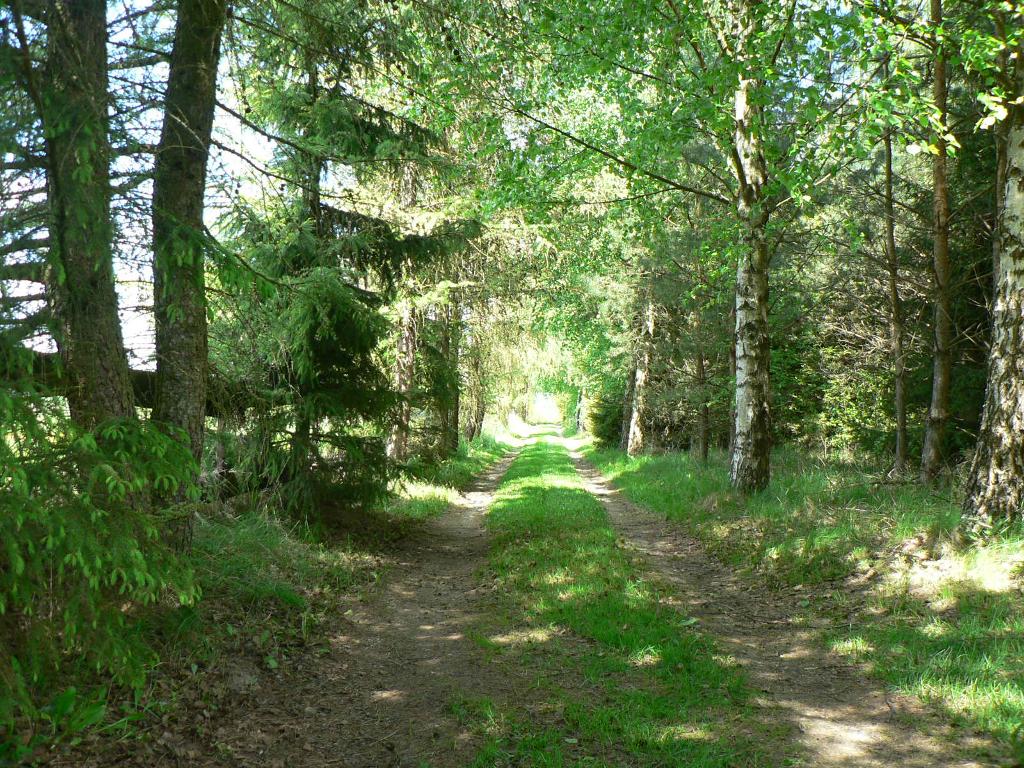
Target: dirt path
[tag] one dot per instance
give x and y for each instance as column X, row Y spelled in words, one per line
column 844, row 719
column 380, row 696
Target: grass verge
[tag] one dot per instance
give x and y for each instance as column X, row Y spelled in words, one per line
column 943, row 623
column 617, row 675
column 430, row 488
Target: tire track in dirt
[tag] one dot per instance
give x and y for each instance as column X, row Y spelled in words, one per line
column 843, row 718
column 380, row 696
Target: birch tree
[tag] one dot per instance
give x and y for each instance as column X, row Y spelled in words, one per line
column 995, row 485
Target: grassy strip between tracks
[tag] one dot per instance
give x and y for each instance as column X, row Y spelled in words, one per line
column 615, row 674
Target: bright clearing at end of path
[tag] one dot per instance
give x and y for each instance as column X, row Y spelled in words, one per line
column 545, row 409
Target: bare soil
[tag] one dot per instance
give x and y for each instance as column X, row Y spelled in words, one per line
column 842, row 716
column 380, row 697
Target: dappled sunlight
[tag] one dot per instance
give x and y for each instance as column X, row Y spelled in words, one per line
column 577, row 592
column 851, row 646
column 995, row 569
column 842, row 720
column 523, row 636
column 414, row 489
column 814, row 523
column 682, row 733
column 393, row 695
column 647, row 657
column 959, row 647
column 658, row 683
column 558, row 577
column 941, row 623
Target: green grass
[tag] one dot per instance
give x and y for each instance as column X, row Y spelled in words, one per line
column 467, row 462
column 430, row 488
column 267, row 585
column 948, row 630
column 815, row 522
column 617, row 675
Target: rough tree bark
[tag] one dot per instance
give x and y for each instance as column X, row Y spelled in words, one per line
column 74, row 116
column 638, row 416
column 995, row 485
column 179, row 187
column 405, row 370
column 895, row 315
column 1000, row 138
column 752, row 442
column 942, row 355
column 1000, row 191
column 475, row 421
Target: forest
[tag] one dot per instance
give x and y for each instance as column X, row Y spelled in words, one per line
column 492, row 383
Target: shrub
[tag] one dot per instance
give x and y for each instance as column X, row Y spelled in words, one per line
column 81, row 551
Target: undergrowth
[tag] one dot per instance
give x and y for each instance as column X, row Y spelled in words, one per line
column 942, row 621
column 467, row 462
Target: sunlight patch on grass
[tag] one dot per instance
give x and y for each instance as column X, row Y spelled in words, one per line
column 646, row 657
column 429, row 489
column 523, row 636
column 683, row 732
column 557, row 577
column 856, row 647
column 631, row 682
column 944, row 623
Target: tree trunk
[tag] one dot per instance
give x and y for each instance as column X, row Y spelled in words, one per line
column 449, row 415
column 454, row 348
column 896, row 316
column 301, row 445
column 752, row 443
column 703, row 411
column 405, row 370
column 938, row 410
column 405, row 355
column 731, row 444
column 478, row 416
column 638, row 413
column 179, row 188
column 627, row 409
column 995, row 485
column 1000, row 140
column 78, row 175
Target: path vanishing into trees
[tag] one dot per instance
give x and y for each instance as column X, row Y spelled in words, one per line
column 437, row 666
